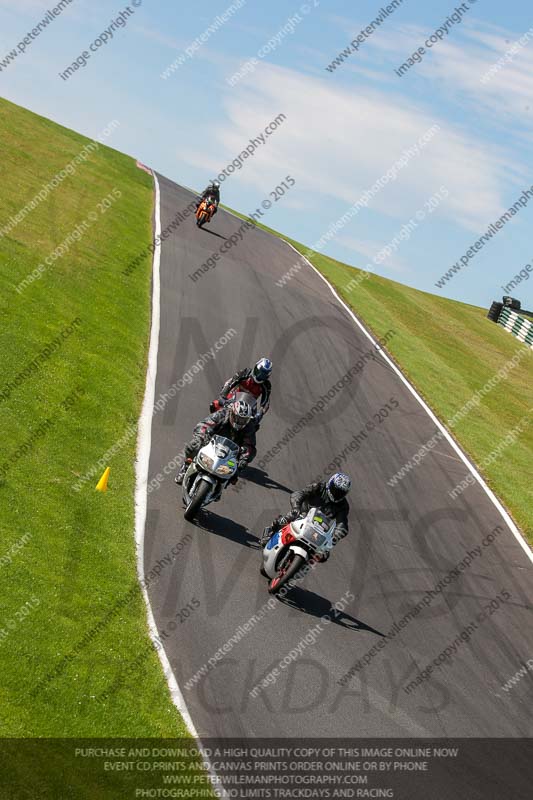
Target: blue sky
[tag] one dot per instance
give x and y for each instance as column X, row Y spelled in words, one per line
column 343, row 129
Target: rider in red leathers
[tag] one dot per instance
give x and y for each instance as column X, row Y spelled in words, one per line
column 254, row 381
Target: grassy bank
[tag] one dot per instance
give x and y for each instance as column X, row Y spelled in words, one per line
column 74, row 339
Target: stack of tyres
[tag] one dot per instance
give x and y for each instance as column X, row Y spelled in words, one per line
column 495, row 311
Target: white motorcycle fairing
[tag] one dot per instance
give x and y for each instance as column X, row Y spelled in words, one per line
column 306, row 536
column 216, row 463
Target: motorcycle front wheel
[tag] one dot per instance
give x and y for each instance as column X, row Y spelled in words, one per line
column 197, row 500
column 286, row 573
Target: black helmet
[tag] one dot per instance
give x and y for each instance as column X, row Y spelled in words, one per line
column 216, row 184
column 262, row 370
column 240, row 414
column 338, row 486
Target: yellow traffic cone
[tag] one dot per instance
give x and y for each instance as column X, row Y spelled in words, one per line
column 101, row 486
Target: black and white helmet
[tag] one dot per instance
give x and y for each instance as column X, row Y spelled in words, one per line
column 338, row 486
column 262, row 370
column 240, row 414
column 216, row 184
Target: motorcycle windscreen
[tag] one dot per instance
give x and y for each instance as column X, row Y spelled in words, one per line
column 314, row 537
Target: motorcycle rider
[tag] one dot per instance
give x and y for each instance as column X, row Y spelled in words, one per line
column 329, row 497
column 255, row 381
column 235, row 422
column 213, row 190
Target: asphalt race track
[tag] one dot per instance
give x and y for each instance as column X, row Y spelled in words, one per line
column 403, row 540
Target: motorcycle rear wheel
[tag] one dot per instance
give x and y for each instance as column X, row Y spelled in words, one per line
column 281, row 579
column 197, row 500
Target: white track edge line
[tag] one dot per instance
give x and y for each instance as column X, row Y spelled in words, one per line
column 144, row 442
column 522, row 542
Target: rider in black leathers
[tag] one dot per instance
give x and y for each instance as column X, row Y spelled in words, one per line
column 329, row 497
column 234, row 422
column 213, row 190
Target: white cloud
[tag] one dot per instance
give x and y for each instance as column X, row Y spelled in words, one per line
column 459, row 62
column 337, row 143
column 369, row 249
column 157, row 36
column 509, row 91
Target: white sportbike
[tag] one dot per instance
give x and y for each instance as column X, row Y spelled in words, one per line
column 215, row 464
column 296, row 543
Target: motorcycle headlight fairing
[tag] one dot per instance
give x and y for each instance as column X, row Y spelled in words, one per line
column 206, row 461
column 224, row 470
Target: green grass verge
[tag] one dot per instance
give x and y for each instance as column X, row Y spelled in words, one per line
column 79, row 559
column 449, row 350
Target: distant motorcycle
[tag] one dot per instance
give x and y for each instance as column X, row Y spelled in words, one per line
column 295, row 544
column 205, row 211
column 208, row 474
